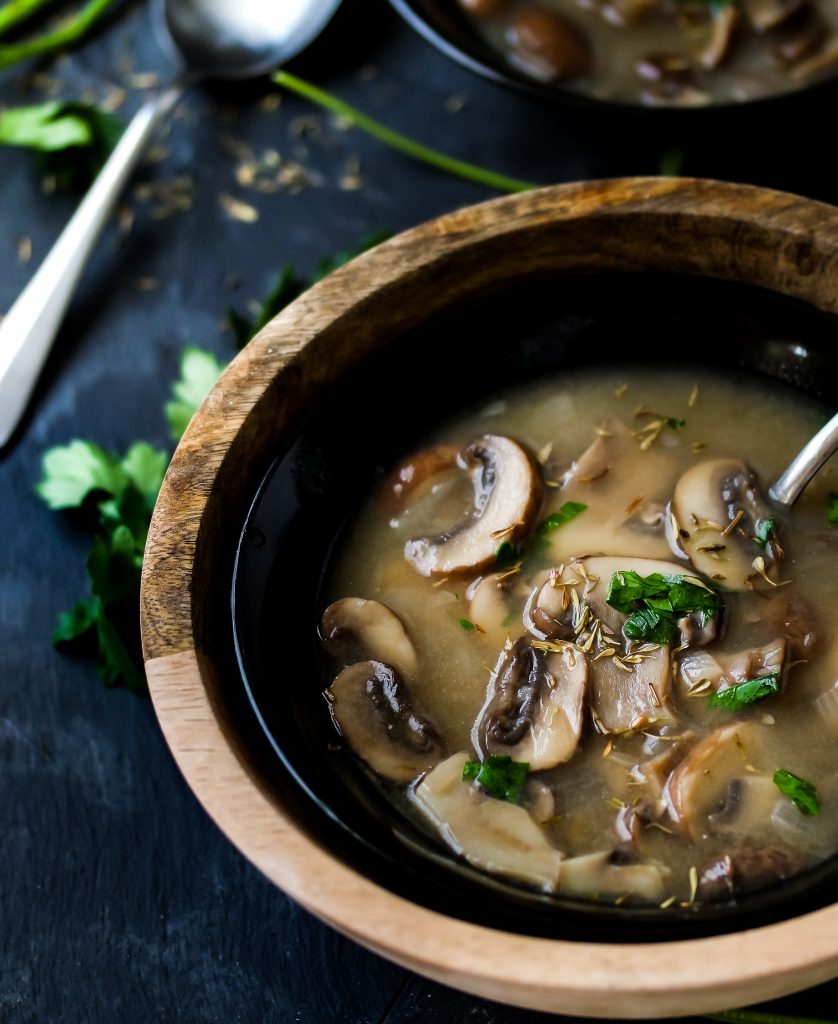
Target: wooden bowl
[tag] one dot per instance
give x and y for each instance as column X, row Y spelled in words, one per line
column 744, row 236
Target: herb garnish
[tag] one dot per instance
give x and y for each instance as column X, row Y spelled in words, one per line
column 570, row 510
column 734, row 698
column 654, row 602
column 763, row 530
column 506, row 555
column 832, row 507
column 802, row 794
column 72, row 140
column 467, row 625
column 116, row 496
column 499, row 776
column 64, row 35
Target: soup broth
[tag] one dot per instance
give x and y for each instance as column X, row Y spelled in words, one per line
column 499, row 696
column 666, row 52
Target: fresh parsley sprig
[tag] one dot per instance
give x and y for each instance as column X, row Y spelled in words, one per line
column 802, row 794
column 500, row 776
column 655, row 602
column 734, row 698
column 64, row 35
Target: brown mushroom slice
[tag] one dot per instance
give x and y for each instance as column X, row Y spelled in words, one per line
column 491, row 834
column 488, row 606
column 548, row 45
column 703, row 673
column 723, row 29
column 749, row 803
column 745, row 870
column 534, row 705
column 606, row 874
column 820, row 65
column 355, row 629
column 507, row 499
column 717, row 506
column 373, row 709
column 699, row 784
column 413, row 475
column 767, row 14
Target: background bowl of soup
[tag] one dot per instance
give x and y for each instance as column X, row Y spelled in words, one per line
column 661, row 54
column 654, row 276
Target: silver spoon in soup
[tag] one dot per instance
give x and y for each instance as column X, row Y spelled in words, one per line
column 220, row 39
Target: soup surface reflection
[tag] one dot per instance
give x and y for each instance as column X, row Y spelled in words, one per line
column 575, row 641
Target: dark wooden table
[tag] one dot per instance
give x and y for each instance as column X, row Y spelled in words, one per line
column 119, row 900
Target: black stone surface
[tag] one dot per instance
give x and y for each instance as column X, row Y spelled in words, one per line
column 119, row 900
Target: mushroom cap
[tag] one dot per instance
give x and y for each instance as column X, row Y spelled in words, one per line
column 723, row 670
column 507, row 499
column 413, row 475
column 355, row 629
column 491, row 834
column 488, row 607
column 534, row 708
column 699, row 784
column 604, row 874
column 707, row 500
column 374, row 711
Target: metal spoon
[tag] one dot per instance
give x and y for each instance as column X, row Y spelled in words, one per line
column 803, row 467
column 227, row 39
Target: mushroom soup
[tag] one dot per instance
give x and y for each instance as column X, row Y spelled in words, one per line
column 571, row 637
column 682, row 53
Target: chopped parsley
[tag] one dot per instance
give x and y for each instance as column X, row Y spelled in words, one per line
column 506, row 555
column 802, row 794
column 467, row 625
column 763, row 531
column 654, row 603
column 740, row 696
column 832, row 507
column 675, row 422
column 570, row 510
column 499, row 776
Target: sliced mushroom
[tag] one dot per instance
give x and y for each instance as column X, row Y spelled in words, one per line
column 549, row 45
column 723, row 30
column 819, row 65
column 488, row 606
column 655, row 770
column 374, row 711
column 703, row 673
column 748, row 805
column 625, row 695
column 768, row 14
column 534, row 705
column 717, row 506
column 627, row 12
column 540, row 800
column 606, row 874
column 744, row 870
column 416, row 473
column 699, row 784
column 355, row 629
column 507, row 498
column 493, row 835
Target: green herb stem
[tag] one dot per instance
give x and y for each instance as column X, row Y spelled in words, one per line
column 59, row 38
column 16, row 11
column 396, row 140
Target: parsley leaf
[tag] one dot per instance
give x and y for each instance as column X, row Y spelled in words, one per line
column 802, row 794
column 73, row 472
column 72, row 140
column 467, row 625
column 675, row 422
column 506, row 555
column 655, row 602
column 570, row 510
column 199, row 371
column 499, row 776
column 832, row 507
column 740, row 696
column 763, row 530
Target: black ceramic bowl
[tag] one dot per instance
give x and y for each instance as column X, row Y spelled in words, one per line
column 452, row 32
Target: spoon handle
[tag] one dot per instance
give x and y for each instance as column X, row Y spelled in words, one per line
column 804, row 466
column 28, row 330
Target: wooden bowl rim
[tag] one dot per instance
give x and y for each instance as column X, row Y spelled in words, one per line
column 595, row 979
